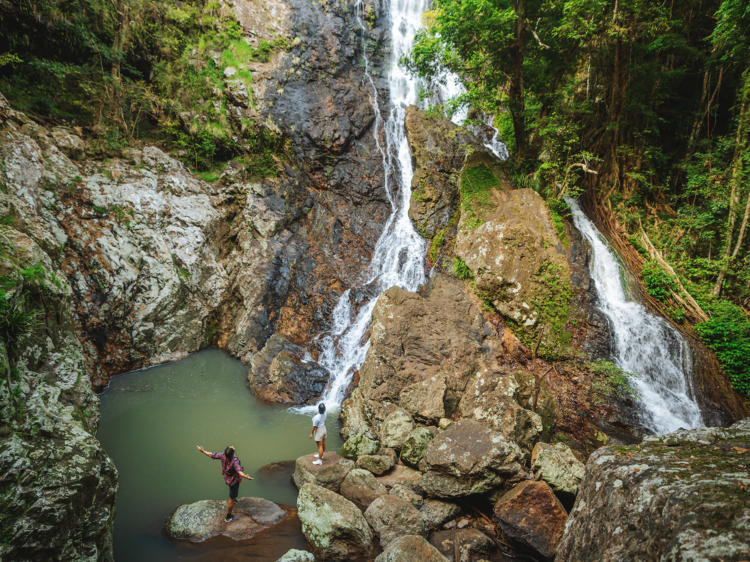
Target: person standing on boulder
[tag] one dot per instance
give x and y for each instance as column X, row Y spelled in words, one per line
column 319, row 432
column 233, row 475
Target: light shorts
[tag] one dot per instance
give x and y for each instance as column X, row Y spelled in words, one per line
column 320, row 433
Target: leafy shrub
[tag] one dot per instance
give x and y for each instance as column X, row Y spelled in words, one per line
column 727, row 333
column 461, row 270
column 659, row 283
column 612, row 380
column 18, row 322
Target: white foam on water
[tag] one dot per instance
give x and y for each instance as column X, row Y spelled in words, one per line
column 644, row 344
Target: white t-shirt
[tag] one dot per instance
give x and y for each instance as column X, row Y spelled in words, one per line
column 319, row 420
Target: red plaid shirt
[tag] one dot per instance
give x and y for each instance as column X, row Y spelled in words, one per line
column 225, row 465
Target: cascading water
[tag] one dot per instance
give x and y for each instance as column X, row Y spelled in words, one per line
column 644, row 344
column 399, row 252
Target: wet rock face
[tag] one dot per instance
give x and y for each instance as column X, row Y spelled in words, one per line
column 391, row 517
column 333, row 526
column 202, row 520
column 680, row 496
column 412, row 548
column 468, row 458
column 531, row 514
column 439, row 148
column 278, row 373
column 514, row 278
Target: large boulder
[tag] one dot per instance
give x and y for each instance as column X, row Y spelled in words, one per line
column 438, row 147
column 361, row 487
column 437, row 512
column 401, row 475
column 489, row 399
column 407, row 495
column 518, row 260
column 333, row 526
column 391, row 517
column 329, row 475
column 297, row 556
column 531, row 514
column 358, row 445
column 411, row 548
column 415, row 446
column 680, row 496
column 557, row 466
column 425, row 400
column 279, row 373
column 396, row 428
column 204, row 519
column 468, row 458
column 470, row 543
column 377, row 464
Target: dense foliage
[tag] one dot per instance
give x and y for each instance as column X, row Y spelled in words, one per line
column 641, row 105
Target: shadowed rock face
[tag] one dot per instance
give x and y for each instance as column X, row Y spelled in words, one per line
column 202, row 520
column 685, row 493
column 411, row 548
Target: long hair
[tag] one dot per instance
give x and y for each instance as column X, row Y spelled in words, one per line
column 229, row 453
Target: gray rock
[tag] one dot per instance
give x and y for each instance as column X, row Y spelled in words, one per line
column 391, row 517
column 358, row 445
column 361, row 487
column 201, row 520
column 330, row 474
column 377, row 464
column 680, row 496
column 424, row 400
column 297, row 556
column 333, row 526
column 412, row 548
column 401, row 475
column 396, row 428
column 407, row 495
column 557, row 466
column 437, row 512
column 237, row 92
column 472, row 544
column 468, row 458
column 415, row 446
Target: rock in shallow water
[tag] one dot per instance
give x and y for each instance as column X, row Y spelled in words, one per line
column 531, row 514
column 680, row 496
column 334, row 526
column 329, row 475
column 391, row 517
column 204, row 519
column 411, row 549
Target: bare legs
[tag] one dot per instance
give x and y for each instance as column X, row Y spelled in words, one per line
column 321, row 448
column 230, row 507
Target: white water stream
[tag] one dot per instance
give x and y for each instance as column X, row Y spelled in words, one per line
column 644, row 344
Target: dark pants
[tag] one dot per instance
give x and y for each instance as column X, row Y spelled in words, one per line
column 234, row 489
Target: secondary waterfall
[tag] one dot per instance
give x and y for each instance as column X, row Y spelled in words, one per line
column 644, row 344
column 399, row 252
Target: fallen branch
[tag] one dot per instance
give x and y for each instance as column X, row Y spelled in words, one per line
column 584, row 167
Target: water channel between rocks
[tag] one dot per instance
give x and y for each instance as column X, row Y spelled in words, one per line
column 152, row 421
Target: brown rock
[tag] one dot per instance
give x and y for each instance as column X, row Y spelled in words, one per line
column 361, row 487
column 471, row 544
column 330, row 474
column 411, row 548
column 531, row 513
column 424, row 400
column 377, row 464
column 403, row 476
column 391, row 517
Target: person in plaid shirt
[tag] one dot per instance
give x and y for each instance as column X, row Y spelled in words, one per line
column 233, row 475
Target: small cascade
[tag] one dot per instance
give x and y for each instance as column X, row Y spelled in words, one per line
column 644, row 344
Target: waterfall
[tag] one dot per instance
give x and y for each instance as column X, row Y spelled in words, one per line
column 643, row 343
column 399, row 252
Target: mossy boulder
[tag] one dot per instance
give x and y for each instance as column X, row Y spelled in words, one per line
column 415, row 446
column 391, row 517
column 396, row 428
column 438, row 512
column 333, row 526
column 558, row 467
column 358, row 445
column 680, row 496
column 377, row 464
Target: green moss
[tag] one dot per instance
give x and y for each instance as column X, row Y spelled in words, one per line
column 437, row 241
column 557, row 210
column 461, row 270
column 477, row 183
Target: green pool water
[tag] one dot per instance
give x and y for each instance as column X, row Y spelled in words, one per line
column 152, row 421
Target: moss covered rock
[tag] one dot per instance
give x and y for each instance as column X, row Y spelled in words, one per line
column 396, row 428
column 557, row 466
column 680, row 496
column 391, row 517
column 415, row 446
column 358, row 445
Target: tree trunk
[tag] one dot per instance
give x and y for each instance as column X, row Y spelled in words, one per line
column 517, row 102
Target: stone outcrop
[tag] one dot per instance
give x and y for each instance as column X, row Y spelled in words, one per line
column 680, row 496
column 531, row 514
column 361, row 487
column 438, row 512
column 391, row 517
column 330, row 474
column 558, row 467
column 439, row 148
column 415, row 446
column 279, row 373
column 58, row 484
column 333, row 526
column 425, row 400
column 468, row 458
column 202, row 520
column 413, row 548
column 396, row 428
column 516, row 282
column 358, row 445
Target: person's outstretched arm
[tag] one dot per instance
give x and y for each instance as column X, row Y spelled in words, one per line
column 202, row 450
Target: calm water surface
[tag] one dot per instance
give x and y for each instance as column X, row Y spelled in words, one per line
column 152, row 421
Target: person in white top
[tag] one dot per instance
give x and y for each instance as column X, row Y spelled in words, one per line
column 319, row 432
